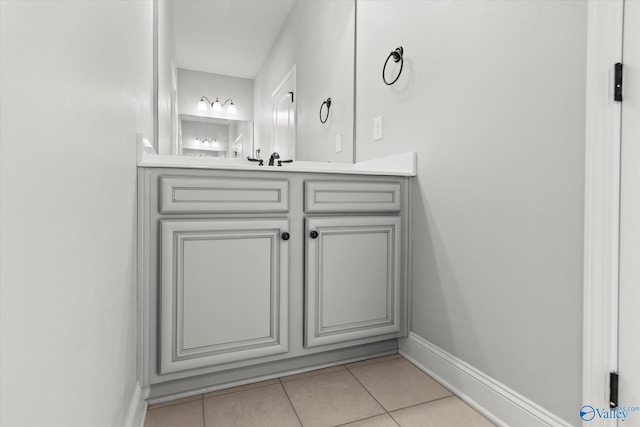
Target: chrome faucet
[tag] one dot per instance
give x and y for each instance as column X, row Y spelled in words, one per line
column 274, row 156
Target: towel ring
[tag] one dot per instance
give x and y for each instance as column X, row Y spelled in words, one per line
column 328, row 104
column 397, row 57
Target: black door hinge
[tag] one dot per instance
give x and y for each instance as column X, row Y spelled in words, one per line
column 613, row 390
column 617, row 84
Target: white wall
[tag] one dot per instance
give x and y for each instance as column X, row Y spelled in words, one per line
column 192, row 85
column 77, row 84
column 492, row 98
column 318, row 39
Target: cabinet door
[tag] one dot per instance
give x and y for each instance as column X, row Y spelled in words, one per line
column 224, row 291
column 352, row 278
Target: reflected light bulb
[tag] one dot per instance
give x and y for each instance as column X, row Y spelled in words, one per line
column 217, row 106
column 202, row 106
column 231, row 109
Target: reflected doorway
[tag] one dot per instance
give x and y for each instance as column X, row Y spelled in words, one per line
column 284, row 116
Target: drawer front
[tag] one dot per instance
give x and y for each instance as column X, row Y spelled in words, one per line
column 211, row 195
column 332, row 196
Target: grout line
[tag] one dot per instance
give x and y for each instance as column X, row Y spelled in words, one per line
column 169, row 403
column 226, row 391
column 367, row 418
column 418, row 404
column 290, row 402
column 370, row 394
column 423, row 403
column 394, row 420
column 310, row 374
column 204, row 421
column 371, row 361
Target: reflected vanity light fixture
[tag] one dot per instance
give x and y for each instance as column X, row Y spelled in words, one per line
column 216, row 105
column 206, row 141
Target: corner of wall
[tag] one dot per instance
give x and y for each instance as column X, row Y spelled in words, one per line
column 137, row 411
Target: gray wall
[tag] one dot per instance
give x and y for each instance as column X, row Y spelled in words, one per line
column 77, row 85
column 492, row 98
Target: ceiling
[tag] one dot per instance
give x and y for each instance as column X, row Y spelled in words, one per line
column 229, row 37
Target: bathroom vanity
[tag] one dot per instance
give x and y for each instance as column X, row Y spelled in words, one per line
column 249, row 272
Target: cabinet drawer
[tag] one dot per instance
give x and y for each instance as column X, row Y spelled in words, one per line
column 208, row 194
column 332, row 196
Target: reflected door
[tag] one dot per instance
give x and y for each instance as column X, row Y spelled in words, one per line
column 284, row 117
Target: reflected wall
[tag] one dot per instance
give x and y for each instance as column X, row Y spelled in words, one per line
column 318, row 38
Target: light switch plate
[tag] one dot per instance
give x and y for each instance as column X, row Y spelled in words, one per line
column 377, row 128
column 339, row 143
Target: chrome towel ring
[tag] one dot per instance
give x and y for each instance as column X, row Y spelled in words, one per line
column 328, row 104
column 397, row 57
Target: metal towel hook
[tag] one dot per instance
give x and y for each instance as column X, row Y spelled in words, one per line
column 397, row 57
column 328, row 104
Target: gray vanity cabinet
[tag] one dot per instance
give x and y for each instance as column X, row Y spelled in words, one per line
column 234, row 287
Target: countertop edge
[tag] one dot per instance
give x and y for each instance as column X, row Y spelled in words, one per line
column 397, row 165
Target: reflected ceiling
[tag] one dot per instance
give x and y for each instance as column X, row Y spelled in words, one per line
column 229, row 37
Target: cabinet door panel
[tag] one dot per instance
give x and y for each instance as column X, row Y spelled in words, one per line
column 224, row 293
column 352, row 278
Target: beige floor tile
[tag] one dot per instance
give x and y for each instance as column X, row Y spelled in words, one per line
column 331, row 399
column 187, row 414
column 312, row 373
column 266, row 406
column 175, row 402
column 447, row 412
column 379, row 421
column 241, row 388
column 397, row 384
column 371, row 361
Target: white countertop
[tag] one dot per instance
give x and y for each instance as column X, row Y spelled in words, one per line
column 398, row 165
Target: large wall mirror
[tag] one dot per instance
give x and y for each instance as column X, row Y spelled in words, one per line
column 276, row 76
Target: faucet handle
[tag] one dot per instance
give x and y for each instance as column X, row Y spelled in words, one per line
column 255, row 160
column 280, row 162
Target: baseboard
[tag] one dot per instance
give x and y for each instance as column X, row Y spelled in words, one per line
column 137, row 408
column 495, row 401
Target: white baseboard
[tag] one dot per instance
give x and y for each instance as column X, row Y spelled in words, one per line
column 137, row 408
column 495, row 401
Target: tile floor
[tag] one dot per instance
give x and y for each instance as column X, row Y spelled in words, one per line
column 387, row 391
